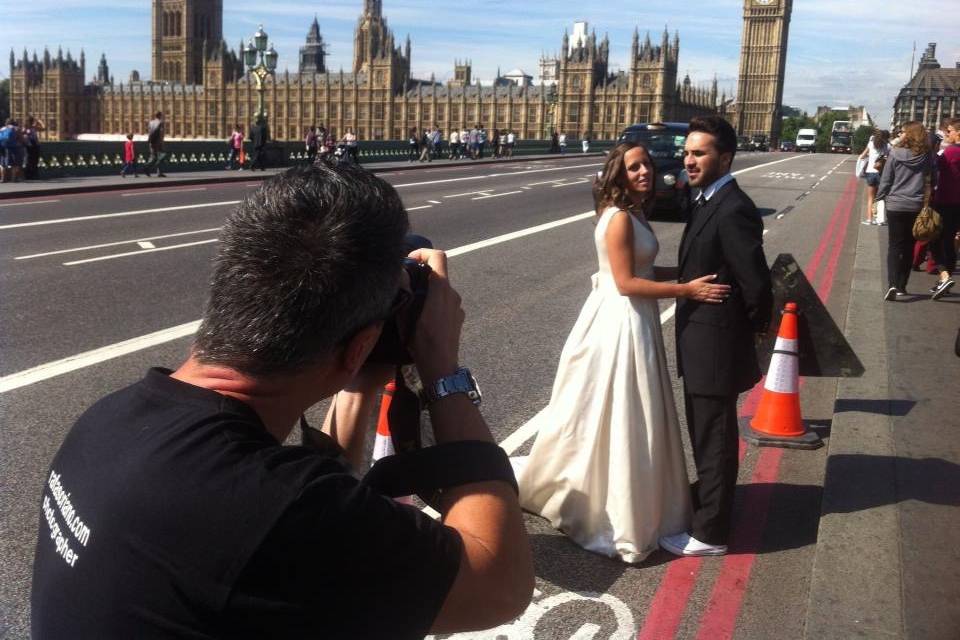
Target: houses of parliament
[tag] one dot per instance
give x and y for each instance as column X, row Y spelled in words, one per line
column 202, row 88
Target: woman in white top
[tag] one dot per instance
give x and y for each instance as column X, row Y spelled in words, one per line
column 876, row 153
column 608, row 467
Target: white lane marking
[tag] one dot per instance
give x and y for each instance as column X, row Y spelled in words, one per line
column 760, row 166
column 459, row 251
column 526, row 188
column 426, row 206
column 537, row 184
column 570, row 184
column 469, row 193
column 116, row 244
column 434, row 201
column 139, row 253
column 493, row 175
column 24, row 204
column 88, row 358
column 496, row 195
column 150, row 193
column 146, row 245
column 766, row 231
column 101, row 216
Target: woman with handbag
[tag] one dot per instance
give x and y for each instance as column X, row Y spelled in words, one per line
column 904, row 188
column 947, row 204
column 875, row 154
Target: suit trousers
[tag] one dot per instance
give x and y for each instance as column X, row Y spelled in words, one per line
column 714, row 435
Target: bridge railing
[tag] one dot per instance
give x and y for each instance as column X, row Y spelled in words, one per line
column 93, row 158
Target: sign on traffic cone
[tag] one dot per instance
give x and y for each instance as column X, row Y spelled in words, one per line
column 383, row 445
column 777, row 421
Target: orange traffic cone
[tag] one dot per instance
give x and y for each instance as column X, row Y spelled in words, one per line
column 383, row 445
column 777, row 421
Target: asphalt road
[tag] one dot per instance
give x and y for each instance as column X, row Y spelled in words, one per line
column 97, row 275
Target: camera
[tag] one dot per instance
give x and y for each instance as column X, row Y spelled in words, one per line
column 398, row 328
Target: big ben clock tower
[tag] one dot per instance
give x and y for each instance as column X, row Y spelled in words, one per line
column 763, row 59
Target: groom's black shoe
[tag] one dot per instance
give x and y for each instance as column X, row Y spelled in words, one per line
column 683, row 544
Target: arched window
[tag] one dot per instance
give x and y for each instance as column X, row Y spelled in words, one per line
column 646, row 80
column 177, row 21
column 165, row 24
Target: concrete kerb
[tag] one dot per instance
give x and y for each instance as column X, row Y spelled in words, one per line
column 856, row 582
column 90, row 184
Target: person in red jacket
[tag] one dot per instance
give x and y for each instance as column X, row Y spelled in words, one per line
column 947, row 202
column 129, row 158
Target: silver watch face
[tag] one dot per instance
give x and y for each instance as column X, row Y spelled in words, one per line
column 461, row 381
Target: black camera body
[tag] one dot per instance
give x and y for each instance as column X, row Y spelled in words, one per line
column 391, row 348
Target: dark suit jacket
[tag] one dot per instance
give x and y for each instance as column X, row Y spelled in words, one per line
column 716, row 354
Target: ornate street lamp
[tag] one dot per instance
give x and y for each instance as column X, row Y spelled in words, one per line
column 262, row 69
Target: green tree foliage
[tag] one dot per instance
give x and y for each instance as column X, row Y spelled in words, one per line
column 793, row 124
column 824, row 127
column 861, row 137
column 4, row 100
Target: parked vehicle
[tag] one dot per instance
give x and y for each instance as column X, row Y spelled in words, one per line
column 788, row 145
column 807, row 140
column 665, row 142
column 759, row 143
column 743, row 143
column 840, row 137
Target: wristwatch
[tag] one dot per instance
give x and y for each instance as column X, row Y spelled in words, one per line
column 460, row 381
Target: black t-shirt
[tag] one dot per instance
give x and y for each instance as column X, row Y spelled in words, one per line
column 169, row 511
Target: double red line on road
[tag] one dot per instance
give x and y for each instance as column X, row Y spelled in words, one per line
column 726, row 598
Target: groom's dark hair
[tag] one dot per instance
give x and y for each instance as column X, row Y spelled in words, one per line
column 721, row 130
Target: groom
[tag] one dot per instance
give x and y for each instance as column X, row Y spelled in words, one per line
column 716, row 356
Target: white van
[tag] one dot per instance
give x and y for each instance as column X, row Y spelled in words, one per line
column 807, row 140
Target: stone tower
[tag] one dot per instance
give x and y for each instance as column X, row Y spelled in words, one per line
column 763, row 59
column 313, row 54
column 370, row 37
column 179, row 29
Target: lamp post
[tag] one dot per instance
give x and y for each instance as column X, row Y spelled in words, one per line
column 261, row 62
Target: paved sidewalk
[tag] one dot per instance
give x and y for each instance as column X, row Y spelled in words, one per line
column 67, row 185
column 887, row 562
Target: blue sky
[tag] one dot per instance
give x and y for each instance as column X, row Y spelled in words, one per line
column 840, row 51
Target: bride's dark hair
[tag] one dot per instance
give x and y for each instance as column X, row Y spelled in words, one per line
column 609, row 189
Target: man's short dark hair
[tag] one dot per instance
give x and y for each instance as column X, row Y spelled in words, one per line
column 305, row 261
column 158, row 114
column 720, row 129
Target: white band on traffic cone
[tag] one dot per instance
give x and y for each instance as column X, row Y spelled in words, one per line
column 783, row 376
column 786, row 344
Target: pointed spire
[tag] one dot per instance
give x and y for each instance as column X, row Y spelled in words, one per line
column 13, row 60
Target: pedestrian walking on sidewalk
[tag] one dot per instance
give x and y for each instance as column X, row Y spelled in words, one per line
column 236, row 146
column 876, row 152
column 259, row 136
column 947, row 203
column 310, row 144
column 31, row 142
column 129, row 158
column 716, row 352
column 562, row 141
column 155, row 135
column 904, row 182
column 11, row 152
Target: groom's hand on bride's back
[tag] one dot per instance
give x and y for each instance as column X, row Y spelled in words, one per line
column 703, row 290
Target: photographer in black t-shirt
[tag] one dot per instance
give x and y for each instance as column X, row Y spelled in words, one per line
column 172, row 509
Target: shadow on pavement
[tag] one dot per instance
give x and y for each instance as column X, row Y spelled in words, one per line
column 930, row 480
column 562, row 562
column 897, row 408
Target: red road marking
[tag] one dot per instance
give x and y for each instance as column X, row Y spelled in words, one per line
column 726, row 598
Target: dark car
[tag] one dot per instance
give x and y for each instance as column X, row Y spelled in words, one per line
column 759, row 143
column 664, row 141
column 743, row 144
column 788, row 145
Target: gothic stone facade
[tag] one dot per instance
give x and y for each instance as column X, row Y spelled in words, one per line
column 203, row 90
column 763, row 59
column 931, row 96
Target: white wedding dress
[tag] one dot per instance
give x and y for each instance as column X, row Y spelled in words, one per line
column 607, row 467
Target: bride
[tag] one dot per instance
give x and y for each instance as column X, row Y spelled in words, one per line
column 607, row 467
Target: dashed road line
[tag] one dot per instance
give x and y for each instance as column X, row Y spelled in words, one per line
column 116, row 244
column 426, row 206
column 23, row 204
column 497, row 195
column 139, row 253
column 119, row 214
column 151, row 192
